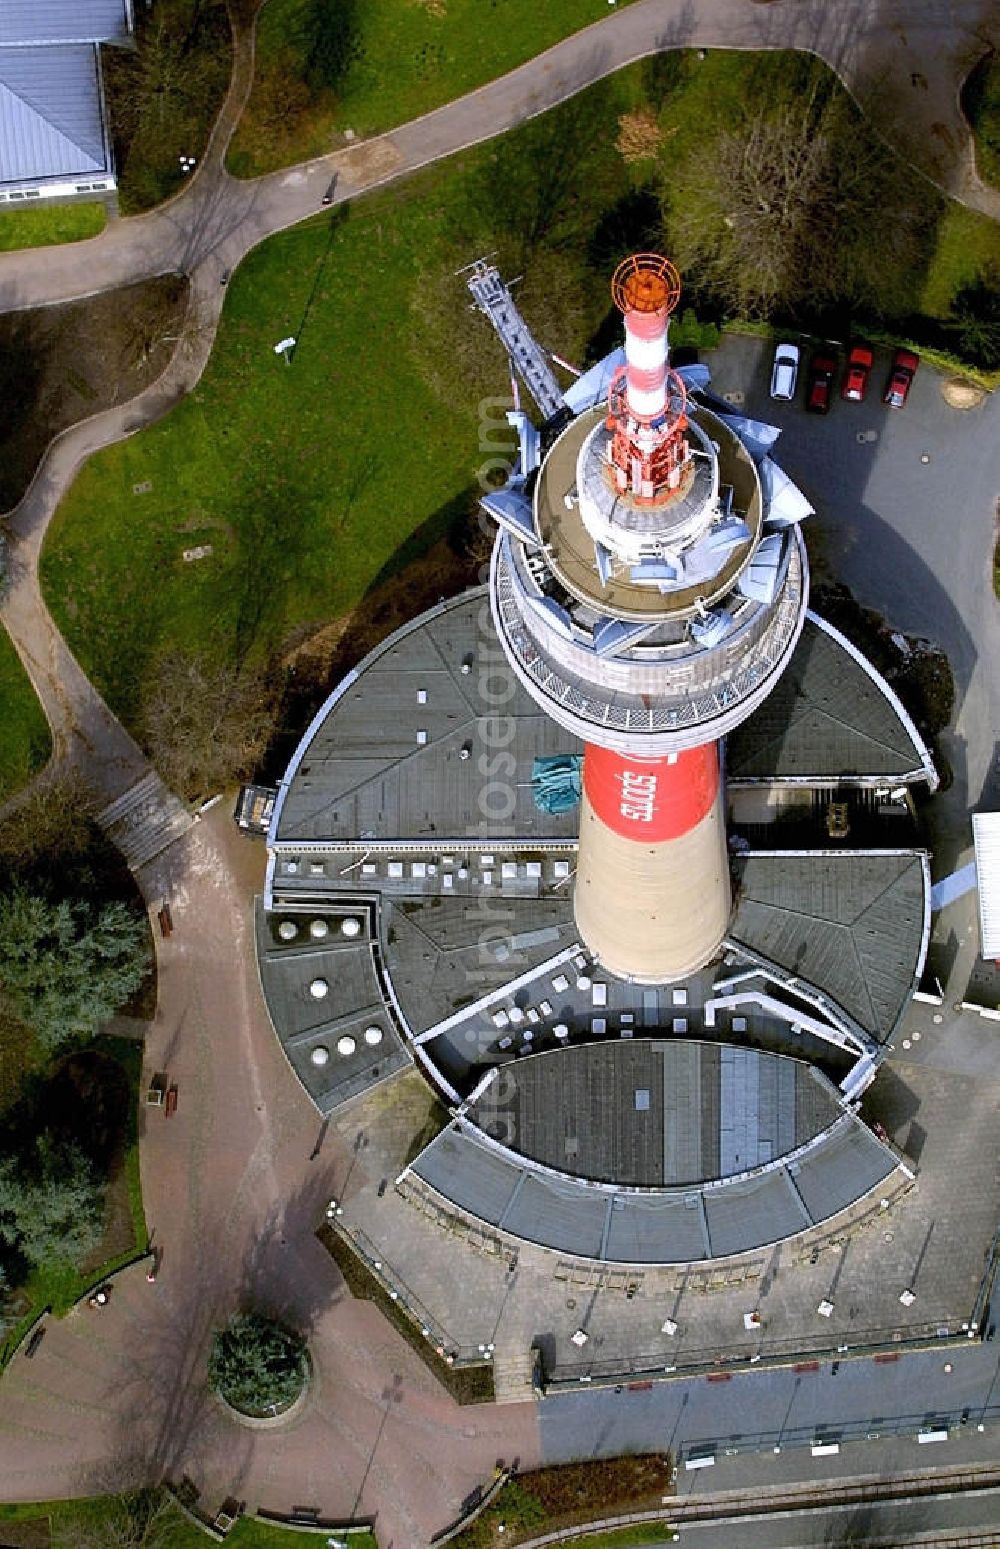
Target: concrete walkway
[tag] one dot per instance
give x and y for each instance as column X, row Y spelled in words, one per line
column 904, row 60
column 231, row 1191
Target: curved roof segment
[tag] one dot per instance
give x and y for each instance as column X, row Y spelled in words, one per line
column 383, row 758
column 656, row 1226
column 652, row 1113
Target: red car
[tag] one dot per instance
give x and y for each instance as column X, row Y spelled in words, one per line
column 822, row 370
column 904, row 369
column 859, row 365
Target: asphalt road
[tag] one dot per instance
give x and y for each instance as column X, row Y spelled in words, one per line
column 892, row 1522
column 743, row 1419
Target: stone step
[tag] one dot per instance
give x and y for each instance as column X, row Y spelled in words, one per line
column 512, row 1376
column 148, row 785
column 144, row 820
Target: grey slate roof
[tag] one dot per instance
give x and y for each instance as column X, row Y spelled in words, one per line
column 51, row 122
column 363, row 773
column 25, row 22
column 706, row 1110
column 827, row 716
column 851, row 924
column 352, row 1003
column 659, row 1226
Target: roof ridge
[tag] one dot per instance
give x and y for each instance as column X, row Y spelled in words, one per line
column 50, row 129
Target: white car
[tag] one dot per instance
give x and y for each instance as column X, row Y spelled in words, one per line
column 786, row 371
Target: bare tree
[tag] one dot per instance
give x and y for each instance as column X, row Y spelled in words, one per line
column 133, row 1519
column 206, row 724
column 794, row 206
column 49, row 818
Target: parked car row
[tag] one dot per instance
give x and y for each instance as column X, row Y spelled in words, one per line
column 823, row 372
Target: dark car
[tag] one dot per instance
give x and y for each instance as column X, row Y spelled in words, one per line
column 822, row 370
column 859, row 365
column 904, row 369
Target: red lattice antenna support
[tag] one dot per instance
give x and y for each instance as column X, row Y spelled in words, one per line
column 647, row 400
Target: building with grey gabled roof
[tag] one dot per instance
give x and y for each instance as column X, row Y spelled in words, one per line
column 54, row 139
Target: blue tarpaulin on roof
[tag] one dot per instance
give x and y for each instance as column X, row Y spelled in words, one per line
column 555, row 782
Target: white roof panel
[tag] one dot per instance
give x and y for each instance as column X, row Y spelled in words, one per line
column 986, row 836
column 51, row 124
column 26, row 22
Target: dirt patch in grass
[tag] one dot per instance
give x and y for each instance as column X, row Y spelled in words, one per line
column 610, row 1484
column 62, row 364
column 35, row 1533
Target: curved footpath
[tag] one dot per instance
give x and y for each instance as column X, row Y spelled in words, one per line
column 232, row 1193
column 904, row 60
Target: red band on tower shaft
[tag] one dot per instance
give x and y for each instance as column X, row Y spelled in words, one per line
column 651, row 799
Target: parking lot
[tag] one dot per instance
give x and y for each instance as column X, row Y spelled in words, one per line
column 906, row 503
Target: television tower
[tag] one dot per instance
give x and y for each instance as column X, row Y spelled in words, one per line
column 648, row 593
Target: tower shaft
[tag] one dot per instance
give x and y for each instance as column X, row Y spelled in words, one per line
column 652, row 895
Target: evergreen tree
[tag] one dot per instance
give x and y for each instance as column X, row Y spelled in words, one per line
column 256, row 1363
column 66, row 967
column 51, row 1203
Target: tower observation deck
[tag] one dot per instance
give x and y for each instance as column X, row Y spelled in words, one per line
column 649, row 593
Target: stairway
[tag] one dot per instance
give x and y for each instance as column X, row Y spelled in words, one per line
column 512, row 1376
column 144, row 820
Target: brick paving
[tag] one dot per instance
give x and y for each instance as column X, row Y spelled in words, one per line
column 232, row 1200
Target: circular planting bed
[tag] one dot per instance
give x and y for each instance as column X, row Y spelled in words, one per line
column 259, row 1369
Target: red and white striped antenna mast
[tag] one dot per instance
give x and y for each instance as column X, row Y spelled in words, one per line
column 647, row 403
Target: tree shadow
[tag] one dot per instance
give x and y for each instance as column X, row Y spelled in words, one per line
column 166, row 1412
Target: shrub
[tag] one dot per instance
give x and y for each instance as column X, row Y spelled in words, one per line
column 256, row 1364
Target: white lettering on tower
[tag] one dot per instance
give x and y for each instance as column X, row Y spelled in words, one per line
column 638, row 801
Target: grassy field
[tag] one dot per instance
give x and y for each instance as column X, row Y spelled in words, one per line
column 384, row 62
column 52, row 223
column 625, row 1537
column 981, row 105
column 25, row 743
column 315, row 481
column 70, row 1521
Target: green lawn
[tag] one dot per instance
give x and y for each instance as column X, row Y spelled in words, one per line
column 967, row 246
column 72, row 1519
column 25, row 743
column 20, row 227
column 308, row 479
column 314, row 481
column 625, row 1537
column 981, row 105
column 380, row 63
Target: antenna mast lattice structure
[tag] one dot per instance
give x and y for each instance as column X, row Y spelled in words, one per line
column 648, row 585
